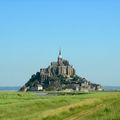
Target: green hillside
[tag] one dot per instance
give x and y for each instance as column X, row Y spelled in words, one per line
column 29, row 106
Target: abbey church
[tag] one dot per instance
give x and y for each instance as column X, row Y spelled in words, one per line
column 61, row 67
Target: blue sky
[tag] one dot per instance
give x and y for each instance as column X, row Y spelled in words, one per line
column 32, row 31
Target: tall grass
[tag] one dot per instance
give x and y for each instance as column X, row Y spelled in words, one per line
column 29, row 106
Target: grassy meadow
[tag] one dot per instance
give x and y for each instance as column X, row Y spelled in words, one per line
column 29, row 106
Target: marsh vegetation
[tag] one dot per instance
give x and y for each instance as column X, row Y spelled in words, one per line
column 29, row 106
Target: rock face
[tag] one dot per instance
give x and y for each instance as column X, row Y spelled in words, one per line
column 59, row 76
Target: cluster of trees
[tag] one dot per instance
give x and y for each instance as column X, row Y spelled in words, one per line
column 66, row 62
column 34, row 80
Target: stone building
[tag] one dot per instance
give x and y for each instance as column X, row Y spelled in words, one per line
column 61, row 67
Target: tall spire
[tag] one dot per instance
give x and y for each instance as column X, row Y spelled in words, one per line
column 60, row 53
column 60, row 57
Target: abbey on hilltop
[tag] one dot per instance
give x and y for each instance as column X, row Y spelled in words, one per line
column 59, row 76
column 61, row 67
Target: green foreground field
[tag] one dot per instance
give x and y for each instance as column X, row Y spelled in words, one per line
column 29, row 106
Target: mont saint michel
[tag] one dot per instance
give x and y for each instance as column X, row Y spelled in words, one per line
column 59, row 76
column 59, row 59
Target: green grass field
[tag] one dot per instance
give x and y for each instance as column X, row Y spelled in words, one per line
column 29, row 106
